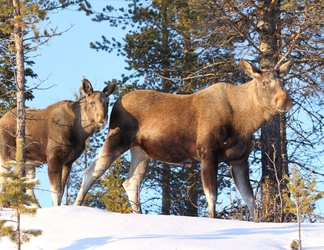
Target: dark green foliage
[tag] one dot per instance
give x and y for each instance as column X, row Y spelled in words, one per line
column 7, row 79
column 112, row 192
column 145, row 50
column 108, row 192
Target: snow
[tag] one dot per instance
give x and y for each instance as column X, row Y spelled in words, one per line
column 71, row 227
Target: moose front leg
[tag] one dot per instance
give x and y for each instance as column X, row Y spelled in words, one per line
column 66, row 170
column 31, row 174
column 135, row 177
column 55, row 177
column 3, row 170
column 209, row 167
column 241, row 176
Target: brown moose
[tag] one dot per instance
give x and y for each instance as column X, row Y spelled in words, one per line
column 56, row 135
column 210, row 126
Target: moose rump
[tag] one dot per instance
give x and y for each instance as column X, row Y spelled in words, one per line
column 211, row 126
column 56, row 135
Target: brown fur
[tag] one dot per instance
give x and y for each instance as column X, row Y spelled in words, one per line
column 56, row 135
column 210, row 126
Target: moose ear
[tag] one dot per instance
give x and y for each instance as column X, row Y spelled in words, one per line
column 87, row 87
column 109, row 88
column 250, row 69
column 284, row 69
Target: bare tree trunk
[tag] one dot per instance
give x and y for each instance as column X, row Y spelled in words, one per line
column 166, row 86
column 166, row 190
column 273, row 135
column 192, row 193
column 18, row 242
column 20, row 81
column 191, row 168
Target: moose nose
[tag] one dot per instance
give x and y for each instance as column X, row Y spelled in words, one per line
column 288, row 104
column 283, row 102
column 284, row 106
column 102, row 121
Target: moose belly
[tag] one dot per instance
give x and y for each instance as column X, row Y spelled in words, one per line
column 166, row 151
column 36, row 156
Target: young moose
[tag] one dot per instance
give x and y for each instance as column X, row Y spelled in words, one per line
column 210, row 126
column 56, row 135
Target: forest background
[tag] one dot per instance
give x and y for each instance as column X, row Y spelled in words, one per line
column 61, row 64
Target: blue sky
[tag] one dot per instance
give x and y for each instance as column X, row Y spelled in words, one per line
column 63, row 62
column 67, row 58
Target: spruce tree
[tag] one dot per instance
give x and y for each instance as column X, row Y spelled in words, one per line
column 20, row 202
column 303, row 196
column 113, row 195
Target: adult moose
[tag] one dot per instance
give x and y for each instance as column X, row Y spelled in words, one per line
column 56, row 135
column 212, row 125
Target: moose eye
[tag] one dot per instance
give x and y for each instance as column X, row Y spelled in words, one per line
column 265, row 84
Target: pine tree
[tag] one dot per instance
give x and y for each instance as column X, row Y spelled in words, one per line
column 20, row 202
column 114, row 197
column 303, row 196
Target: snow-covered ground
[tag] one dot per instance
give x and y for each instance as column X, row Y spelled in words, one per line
column 70, row 227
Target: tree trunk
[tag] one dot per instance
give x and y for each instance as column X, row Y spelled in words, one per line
column 166, row 87
column 191, row 201
column 192, row 193
column 18, row 236
column 273, row 135
column 20, row 81
column 166, row 190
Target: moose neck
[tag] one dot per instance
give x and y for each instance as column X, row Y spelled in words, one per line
column 249, row 115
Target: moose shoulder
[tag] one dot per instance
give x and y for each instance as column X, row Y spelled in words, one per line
column 56, row 135
column 210, row 126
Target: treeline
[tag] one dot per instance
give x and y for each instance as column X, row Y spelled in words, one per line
column 182, row 47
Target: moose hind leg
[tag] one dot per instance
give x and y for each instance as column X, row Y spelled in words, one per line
column 110, row 151
column 240, row 174
column 135, row 177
